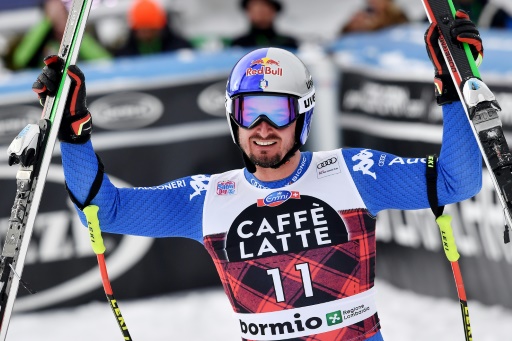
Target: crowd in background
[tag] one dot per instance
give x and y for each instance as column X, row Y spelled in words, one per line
column 150, row 29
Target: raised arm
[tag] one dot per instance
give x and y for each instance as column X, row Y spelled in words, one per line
column 172, row 209
column 387, row 181
column 400, row 183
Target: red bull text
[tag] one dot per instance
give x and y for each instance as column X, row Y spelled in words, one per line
column 267, row 67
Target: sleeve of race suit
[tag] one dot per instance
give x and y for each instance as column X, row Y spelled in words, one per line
column 386, row 181
column 173, row 209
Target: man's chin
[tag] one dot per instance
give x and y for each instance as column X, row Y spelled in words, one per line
column 265, row 162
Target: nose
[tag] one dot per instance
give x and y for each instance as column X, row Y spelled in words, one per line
column 264, row 128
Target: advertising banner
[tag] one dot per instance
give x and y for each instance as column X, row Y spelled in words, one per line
column 161, row 118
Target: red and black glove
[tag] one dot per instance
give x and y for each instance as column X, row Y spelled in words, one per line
column 462, row 31
column 48, row 81
column 465, row 31
column 76, row 126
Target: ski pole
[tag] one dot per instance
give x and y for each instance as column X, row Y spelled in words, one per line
column 91, row 213
column 449, row 246
column 450, row 250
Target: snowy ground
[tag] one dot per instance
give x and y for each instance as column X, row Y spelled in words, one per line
column 206, row 315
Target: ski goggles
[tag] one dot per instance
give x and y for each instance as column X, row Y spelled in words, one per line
column 248, row 110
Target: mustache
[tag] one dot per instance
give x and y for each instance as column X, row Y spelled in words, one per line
column 268, row 137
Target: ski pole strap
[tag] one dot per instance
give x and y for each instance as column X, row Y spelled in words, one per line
column 95, row 187
column 93, row 224
column 431, row 175
column 442, row 220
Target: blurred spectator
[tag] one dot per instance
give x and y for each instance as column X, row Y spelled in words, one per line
column 149, row 31
column 44, row 39
column 261, row 15
column 485, row 14
column 377, row 15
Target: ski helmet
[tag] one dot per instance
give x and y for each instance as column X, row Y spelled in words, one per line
column 270, row 72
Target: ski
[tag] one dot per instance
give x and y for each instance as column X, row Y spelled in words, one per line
column 479, row 104
column 32, row 150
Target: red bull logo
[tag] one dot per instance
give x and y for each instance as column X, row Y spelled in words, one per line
column 265, row 61
column 268, row 67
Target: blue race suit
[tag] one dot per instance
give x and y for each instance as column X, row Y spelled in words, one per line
column 175, row 209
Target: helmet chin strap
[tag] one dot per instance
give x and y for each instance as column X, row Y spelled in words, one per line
column 251, row 167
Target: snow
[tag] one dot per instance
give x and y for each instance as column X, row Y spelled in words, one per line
column 206, row 315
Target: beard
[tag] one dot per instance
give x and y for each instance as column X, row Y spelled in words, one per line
column 265, row 161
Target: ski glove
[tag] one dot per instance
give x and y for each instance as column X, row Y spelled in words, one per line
column 48, row 81
column 76, row 126
column 462, row 31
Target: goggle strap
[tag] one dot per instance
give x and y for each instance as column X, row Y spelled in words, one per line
column 228, row 103
column 307, row 102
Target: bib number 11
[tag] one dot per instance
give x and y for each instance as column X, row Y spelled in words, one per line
column 305, row 274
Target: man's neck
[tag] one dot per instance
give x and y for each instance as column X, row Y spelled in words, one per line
column 265, row 31
column 285, row 170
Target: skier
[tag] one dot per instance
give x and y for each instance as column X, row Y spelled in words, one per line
column 292, row 235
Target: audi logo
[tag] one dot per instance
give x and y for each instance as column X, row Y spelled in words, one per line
column 326, row 163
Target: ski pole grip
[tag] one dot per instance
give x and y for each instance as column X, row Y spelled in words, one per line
column 93, row 223
column 450, row 249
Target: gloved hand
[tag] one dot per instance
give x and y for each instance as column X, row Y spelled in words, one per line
column 76, row 126
column 462, row 31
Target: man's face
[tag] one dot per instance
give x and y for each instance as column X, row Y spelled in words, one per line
column 58, row 15
column 265, row 145
column 260, row 13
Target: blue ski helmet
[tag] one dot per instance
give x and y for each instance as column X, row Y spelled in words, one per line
column 272, row 71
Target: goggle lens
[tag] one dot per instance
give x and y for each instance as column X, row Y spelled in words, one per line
column 280, row 111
